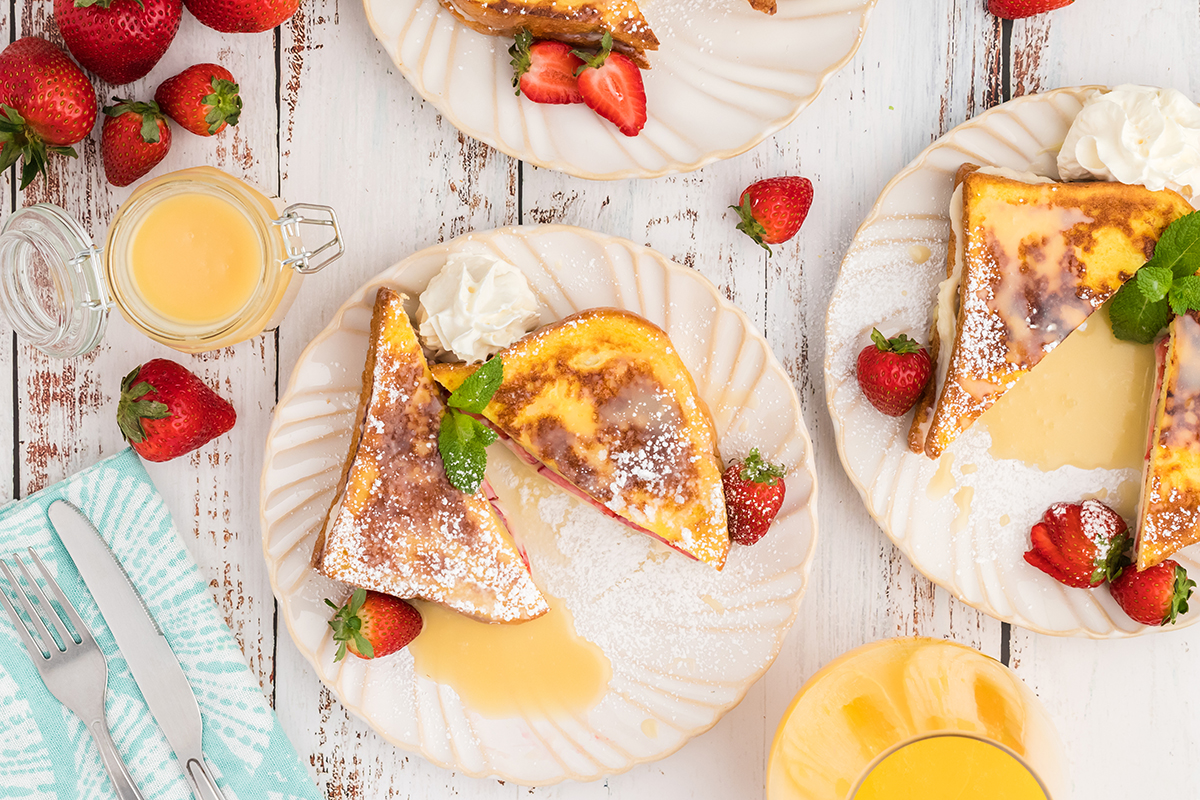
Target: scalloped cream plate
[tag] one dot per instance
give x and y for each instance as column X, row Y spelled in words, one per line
column 723, row 79
column 967, row 535
column 685, row 642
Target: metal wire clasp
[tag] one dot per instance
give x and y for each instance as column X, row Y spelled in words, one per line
column 303, row 260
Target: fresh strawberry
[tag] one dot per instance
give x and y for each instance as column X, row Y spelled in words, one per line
column 134, row 139
column 119, row 40
column 1079, row 544
column 773, row 210
column 1016, row 9
column 202, row 99
column 47, row 104
column 1154, row 596
column 753, row 494
column 242, row 16
column 611, row 85
column 373, row 624
column 545, row 71
column 166, row 411
column 892, row 373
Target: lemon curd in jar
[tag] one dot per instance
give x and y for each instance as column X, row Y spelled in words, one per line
column 195, row 259
column 198, row 259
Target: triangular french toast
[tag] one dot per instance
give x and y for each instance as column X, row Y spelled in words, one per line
column 1169, row 510
column 604, row 403
column 578, row 22
column 397, row 525
column 1032, row 262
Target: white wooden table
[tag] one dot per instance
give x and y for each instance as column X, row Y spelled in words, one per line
column 329, row 120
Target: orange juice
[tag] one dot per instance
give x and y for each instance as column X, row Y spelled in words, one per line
column 196, row 258
column 890, row 694
column 948, row 768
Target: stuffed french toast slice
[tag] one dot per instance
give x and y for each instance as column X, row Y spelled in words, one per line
column 396, row 524
column 577, row 22
column 1169, row 509
column 1030, row 261
column 603, row 404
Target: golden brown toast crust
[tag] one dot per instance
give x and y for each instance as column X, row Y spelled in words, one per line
column 579, row 22
column 923, row 413
column 1170, row 508
column 1038, row 260
column 397, row 525
column 603, row 399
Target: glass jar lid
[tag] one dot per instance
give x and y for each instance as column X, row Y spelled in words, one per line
column 52, row 289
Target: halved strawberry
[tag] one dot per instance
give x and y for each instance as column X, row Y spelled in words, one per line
column 544, row 71
column 611, row 85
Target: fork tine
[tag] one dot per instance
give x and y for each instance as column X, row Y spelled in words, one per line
column 76, row 622
column 35, row 652
column 54, row 622
column 39, row 627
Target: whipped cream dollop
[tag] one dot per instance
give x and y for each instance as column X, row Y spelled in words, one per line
column 1138, row 135
column 475, row 307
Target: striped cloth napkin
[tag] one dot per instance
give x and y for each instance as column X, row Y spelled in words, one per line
column 45, row 751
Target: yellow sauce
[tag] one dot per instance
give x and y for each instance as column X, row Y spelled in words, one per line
column 949, row 768
column 1086, row 404
column 540, row 668
column 195, row 259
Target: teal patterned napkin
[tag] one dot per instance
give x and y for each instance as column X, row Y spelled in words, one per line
column 45, row 752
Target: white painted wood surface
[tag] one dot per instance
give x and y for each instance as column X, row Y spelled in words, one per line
column 328, row 119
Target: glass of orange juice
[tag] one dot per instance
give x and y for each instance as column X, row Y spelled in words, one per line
column 916, row 719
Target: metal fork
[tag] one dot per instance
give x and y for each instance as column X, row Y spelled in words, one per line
column 76, row 673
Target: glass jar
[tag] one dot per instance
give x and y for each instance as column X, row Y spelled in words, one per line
column 51, row 288
column 200, row 260
column 56, row 290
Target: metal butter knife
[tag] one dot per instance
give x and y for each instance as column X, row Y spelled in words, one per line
column 151, row 660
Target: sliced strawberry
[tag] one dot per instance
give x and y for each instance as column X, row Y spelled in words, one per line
column 611, row 85
column 545, row 71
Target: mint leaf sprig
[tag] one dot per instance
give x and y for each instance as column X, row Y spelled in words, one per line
column 1166, row 285
column 463, row 440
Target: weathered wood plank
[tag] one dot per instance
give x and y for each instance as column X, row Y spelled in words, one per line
column 401, row 178
column 1143, row 691
column 67, row 408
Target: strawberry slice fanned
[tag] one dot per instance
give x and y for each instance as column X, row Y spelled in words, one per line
column 544, row 71
column 1078, row 544
column 611, row 85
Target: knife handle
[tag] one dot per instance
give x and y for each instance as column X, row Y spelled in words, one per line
column 118, row 773
column 201, row 781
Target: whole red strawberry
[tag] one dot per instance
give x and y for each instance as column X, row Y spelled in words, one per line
column 134, row 139
column 611, row 85
column 1079, row 544
column 242, row 16
column 166, row 411
column 373, row 624
column 1154, row 596
column 754, row 492
column 119, row 40
column 892, row 373
column 47, row 104
column 1016, row 9
column 544, row 71
column 202, row 99
column 773, row 210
